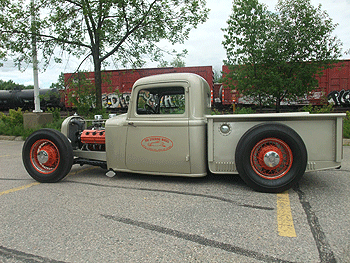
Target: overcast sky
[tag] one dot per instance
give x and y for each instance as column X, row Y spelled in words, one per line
column 204, row 43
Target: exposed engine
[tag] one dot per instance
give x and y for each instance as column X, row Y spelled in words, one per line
column 93, row 139
column 90, row 138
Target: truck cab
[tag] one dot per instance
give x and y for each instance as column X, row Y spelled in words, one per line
column 164, row 130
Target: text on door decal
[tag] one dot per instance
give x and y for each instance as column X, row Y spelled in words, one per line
column 157, row 143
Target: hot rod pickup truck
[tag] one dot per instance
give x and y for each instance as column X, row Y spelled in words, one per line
column 169, row 130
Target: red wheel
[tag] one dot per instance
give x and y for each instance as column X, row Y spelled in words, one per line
column 44, row 156
column 47, row 155
column 271, row 158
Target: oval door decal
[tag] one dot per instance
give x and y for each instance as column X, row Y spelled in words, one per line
column 157, row 143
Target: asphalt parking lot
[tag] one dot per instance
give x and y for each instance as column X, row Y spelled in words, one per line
column 89, row 217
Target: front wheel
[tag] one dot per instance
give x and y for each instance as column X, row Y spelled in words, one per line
column 271, row 157
column 47, row 155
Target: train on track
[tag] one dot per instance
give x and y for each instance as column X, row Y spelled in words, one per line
column 334, row 86
column 24, row 99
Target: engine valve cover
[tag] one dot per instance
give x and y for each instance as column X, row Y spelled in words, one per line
column 93, row 137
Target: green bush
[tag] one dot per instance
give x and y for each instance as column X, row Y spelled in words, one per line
column 244, row 111
column 14, row 118
column 238, row 110
column 215, row 112
column 346, row 126
column 12, row 124
column 326, row 108
column 56, row 113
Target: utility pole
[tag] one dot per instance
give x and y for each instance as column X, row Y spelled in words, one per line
column 37, row 117
column 35, row 62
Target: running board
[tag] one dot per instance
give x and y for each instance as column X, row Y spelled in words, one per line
column 83, row 161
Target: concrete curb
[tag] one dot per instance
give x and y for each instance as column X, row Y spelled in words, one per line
column 346, row 142
column 11, row 138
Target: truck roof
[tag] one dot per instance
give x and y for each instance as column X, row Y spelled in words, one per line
column 188, row 77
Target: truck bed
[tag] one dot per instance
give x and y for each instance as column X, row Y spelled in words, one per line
column 321, row 133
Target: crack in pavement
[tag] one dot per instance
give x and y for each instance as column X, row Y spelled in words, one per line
column 324, row 249
column 24, row 257
column 196, row 239
column 180, row 193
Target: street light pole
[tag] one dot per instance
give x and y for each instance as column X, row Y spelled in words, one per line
column 35, row 63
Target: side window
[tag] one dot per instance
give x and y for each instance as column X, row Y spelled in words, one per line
column 162, row 101
column 146, row 102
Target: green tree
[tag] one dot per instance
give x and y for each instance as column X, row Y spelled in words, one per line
column 124, row 32
column 80, row 95
column 177, row 61
column 276, row 56
column 246, row 37
column 10, row 85
column 60, row 85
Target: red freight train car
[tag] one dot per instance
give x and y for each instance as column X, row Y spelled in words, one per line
column 116, row 88
column 334, row 86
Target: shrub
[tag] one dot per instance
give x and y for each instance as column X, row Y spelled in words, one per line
column 215, row 112
column 244, row 111
column 12, row 124
column 346, row 126
column 56, row 113
column 317, row 109
column 14, row 118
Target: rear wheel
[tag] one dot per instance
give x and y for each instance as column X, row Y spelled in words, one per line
column 47, row 155
column 271, row 157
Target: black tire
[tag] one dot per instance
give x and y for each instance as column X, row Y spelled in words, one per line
column 47, row 155
column 271, row 157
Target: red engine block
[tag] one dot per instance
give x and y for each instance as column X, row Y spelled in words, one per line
column 93, row 137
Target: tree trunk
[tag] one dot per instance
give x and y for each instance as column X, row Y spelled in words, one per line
column 260, row 103
column 278, row 105
column 98, row 81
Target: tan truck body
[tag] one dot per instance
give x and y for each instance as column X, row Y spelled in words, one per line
column 168, row 130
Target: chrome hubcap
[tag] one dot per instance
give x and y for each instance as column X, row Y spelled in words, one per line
column 43, row 157
column 271, row 159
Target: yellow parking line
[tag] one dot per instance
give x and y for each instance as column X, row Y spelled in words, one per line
column 36, row 183
column 18, row 188
column 284, row 216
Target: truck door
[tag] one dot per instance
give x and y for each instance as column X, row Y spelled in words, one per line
column 157, row 137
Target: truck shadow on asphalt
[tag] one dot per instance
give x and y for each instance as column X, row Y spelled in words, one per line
column 170, row 185
column 98, row 173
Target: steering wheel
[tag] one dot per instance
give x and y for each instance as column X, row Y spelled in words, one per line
column 150, row 109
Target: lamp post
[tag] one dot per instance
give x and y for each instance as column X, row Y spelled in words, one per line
column 35, row 62
column 37, row 117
